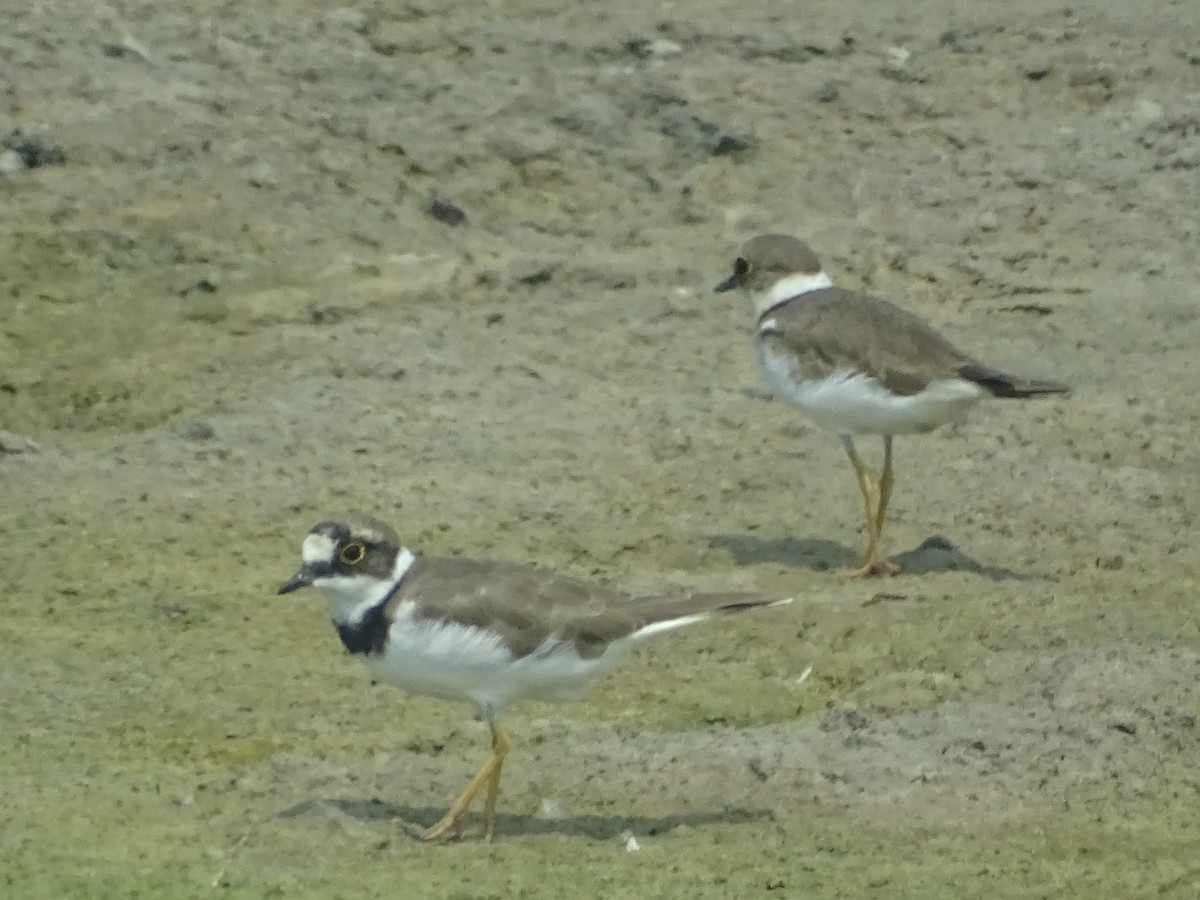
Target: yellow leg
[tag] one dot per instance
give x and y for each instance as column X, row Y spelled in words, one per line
column 500, row 747
column 874, row 563
column 489, row 774
column 867, row 486
column 886, row 481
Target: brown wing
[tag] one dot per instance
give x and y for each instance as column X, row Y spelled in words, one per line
column 526, row 605
column 592, row 633
column 834, row 330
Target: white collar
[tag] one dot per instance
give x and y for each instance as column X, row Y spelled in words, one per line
column 788, row 287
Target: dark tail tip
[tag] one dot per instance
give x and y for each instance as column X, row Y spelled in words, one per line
column 1008, row 387
column 757, row 603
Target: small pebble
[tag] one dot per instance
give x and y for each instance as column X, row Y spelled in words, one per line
column 1146, row 111
column 202, row 286
column 663, row 49
column 195, row 430
column 1036, row 70
column 16, row 443
column 959, row 41
column 1099, row 74
column 551, row 809
column 35, row 147
column 657, row 48
column 987, row 220
column 11, row 163
column 826, row 93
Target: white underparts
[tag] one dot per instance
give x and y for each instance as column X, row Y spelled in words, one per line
column 849, row 402
column 466, row 662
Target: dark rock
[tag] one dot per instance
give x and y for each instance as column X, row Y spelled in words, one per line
column 728, row 145
column 203, row 286
column 447, row 212
column 534, row 273
column 695, row 134
column 1036, row 70
column 937, row 542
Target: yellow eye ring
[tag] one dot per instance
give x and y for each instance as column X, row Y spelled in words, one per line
column 353, row 553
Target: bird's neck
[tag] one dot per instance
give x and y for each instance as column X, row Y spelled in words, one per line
column 352, row 598
column 788, row 288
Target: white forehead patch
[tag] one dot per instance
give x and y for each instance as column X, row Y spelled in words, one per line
column 318, row 548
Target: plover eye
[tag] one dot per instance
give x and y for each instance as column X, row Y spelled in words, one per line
column 353, row 553
column 741, row 267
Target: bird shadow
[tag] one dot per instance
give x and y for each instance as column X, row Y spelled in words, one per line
column 935, row 554
column 416, row 819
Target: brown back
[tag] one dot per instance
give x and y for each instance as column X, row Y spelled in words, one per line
column 834, row 329
column 526, row 605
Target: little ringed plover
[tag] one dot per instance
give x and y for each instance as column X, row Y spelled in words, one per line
column 856, row 365
column 490, row 633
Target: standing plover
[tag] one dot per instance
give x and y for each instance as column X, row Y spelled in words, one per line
column 856, row 365
column 486, row 632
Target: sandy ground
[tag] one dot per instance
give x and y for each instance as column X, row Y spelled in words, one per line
column 228, row 310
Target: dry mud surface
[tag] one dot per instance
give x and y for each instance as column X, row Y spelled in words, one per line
column 227, row 309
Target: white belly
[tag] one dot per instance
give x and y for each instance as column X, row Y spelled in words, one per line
column 466, row 663
column 851, row 403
